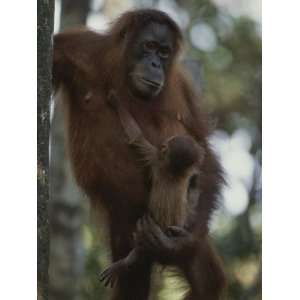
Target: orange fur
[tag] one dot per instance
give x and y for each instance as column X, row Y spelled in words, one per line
column 88, row 65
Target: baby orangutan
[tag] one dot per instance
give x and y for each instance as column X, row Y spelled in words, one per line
column 174, row 167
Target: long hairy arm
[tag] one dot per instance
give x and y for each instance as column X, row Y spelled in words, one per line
column 136, row 139
column 73, row 53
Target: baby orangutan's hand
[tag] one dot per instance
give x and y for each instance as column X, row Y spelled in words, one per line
column 165, row 247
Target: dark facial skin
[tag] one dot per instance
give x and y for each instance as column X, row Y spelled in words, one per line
column 150, row 58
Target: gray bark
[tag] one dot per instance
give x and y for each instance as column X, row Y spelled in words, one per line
column 66, row 207
column 45, row 11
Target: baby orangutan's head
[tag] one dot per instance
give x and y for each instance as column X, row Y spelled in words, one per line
column 181, row 153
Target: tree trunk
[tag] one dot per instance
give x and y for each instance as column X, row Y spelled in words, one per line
column 45, row 10
column 66, row 207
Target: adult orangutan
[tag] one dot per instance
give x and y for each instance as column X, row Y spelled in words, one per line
column 137, row 58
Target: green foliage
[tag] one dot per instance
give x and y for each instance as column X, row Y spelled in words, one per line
column 95, row 262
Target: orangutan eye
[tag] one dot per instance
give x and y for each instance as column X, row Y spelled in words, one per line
column 150, row 46
column 164, row 52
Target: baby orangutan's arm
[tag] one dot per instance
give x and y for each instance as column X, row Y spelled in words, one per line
column 110, row 275
column 132, row 130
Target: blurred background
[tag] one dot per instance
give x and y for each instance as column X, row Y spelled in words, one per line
column 223, row 54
